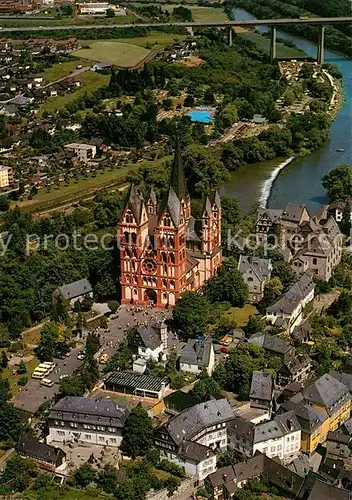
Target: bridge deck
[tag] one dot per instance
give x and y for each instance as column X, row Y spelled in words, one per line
column 193, row 24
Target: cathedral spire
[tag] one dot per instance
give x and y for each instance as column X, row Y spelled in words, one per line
column 177, row 174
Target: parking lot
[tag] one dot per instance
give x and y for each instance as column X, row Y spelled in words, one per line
column 30, row 397
column 33, row 394
column 127, row 317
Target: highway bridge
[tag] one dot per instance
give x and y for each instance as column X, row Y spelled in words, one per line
column 273, row 23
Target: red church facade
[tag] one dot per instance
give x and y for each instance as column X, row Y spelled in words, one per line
column 164, row 250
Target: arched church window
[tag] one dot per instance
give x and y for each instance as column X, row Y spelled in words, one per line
column 163, row 257
column 126, row 235
column 171, row 242
column 167, row 221
column 134, row 238
column 172, row 258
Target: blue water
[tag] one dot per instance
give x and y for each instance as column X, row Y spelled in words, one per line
column 202, row 116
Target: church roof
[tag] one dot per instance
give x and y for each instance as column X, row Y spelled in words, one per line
column 178, row 182
column 171, row 204
column 135, row 202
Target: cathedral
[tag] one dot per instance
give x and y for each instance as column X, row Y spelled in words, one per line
column 164, row 250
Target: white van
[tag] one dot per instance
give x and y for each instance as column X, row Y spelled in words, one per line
column 47, row 382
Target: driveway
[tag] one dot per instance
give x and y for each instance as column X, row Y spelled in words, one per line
column 33, row 394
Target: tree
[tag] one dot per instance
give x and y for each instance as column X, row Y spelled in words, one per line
column 254, row 325
column 11, row 425
column 235, row 374
column 204, row 172
column 5, row 394
column 84, row 475
column 21, row 368
column 113, row 306
column 284, row 272
column 338, row 183
column 110, row 13
column 344, row 340
column 137, row 434
column 205, row 388
column 227, row 285
column 4, row 360
column 191, row 315
column 17, row 474
column 107, row 479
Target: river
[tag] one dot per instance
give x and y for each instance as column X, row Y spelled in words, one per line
column 300, row 180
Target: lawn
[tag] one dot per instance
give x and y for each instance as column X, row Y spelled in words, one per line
column 121, row 54
column 90, row 81
column 263, row 43
column 60, row 70
column 240, row 314
column 13, row 378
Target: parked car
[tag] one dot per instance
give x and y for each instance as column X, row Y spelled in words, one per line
column 224, row 350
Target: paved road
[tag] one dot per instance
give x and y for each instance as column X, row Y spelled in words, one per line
column 193, row 24
column 34, row 394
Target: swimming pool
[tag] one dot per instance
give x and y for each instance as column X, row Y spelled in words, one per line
column 201, row 115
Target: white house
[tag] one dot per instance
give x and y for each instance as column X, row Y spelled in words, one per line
column 197, row 355
column 289, row 308
column 280, row 437
column 190, row 437
column 151, row 341
column 87, row 420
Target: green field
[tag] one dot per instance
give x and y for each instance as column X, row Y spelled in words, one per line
column 240, row 314
column 68, row 21
column 157, row 40
column 208, row 14
column 203, row 13
column 90, row 81
column 121, row 54
column 60, row 70
column 263, row 43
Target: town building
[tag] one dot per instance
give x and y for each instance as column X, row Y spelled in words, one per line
column 290, row 307
column 280, row 437
column 137, row 384
column 273, row 345
column 256, row 272
column 341, row 211
column 48, row 457
column 150, row 341
column 99, row 9
column 87, row 420
column 74, row 292
column 200, row 429
column 302, row 333
column 329, row 396
column 225, row 481
column 164, row 250
column 262, row 391
column 314, row 243
column 339, row 447
column 314, row 425
column 197, row 355
column 6, row 177
column 322, row 490
column 84, row 152
column 295, row 370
